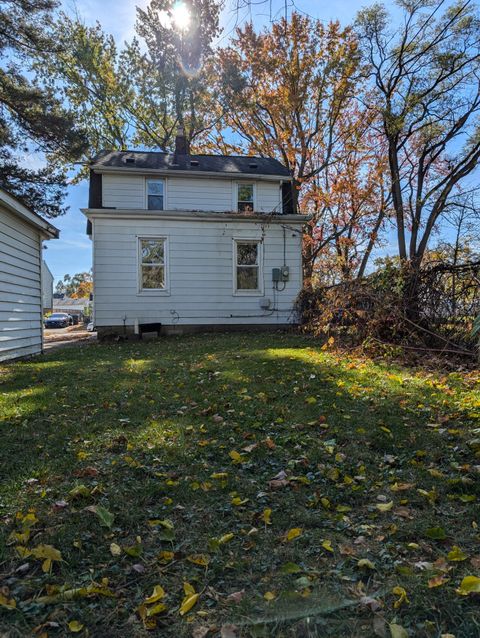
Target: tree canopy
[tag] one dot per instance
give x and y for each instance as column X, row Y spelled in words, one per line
column 32, row 118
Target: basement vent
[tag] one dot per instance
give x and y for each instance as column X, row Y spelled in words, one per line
column 194, row 162
column 129, row 160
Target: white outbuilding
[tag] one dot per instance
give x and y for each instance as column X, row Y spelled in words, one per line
column 22, row 233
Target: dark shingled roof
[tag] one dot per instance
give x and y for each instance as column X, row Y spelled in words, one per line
column 234, row 164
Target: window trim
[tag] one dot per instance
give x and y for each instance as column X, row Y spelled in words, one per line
column 153, row 291
column 258, row 292
column 250, row 183
column 151, row 178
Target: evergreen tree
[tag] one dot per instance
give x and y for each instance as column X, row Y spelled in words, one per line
column 32, row 120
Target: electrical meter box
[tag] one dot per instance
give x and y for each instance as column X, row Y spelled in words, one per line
column 281, row 274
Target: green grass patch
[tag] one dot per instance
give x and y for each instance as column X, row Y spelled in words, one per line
column 186, row 462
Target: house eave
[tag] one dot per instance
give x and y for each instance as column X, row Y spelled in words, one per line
column 172, row 172
column 15, row 206
column 264, row 218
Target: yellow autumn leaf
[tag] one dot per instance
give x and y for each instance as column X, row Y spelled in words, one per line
column 157, row 594
column 46, row 551
column 156, row 609
column 9, row 603
column 166, row 556
column 190, row 598
column 402, row 596
column 365, row 563
column 220, row 476
column 397, row 631
column 437, row 581
column 384, row 507
column 75, row 626
column 326, row 544
column 269, row 595
column 115, row 550
column 225, row 538
column 469, row 585
column 456, row 554
column 237, row 501
column 293, row 533
column 267, row 516
column 235, row 456
column 311, row 400
column 199, row 559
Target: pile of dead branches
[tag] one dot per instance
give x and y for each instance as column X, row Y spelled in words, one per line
column 433, row 310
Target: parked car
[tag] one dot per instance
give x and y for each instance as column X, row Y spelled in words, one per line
column 57, row 320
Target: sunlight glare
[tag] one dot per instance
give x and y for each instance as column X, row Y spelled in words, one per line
column 181, row 16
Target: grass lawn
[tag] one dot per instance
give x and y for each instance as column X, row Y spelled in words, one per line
column 178, row 486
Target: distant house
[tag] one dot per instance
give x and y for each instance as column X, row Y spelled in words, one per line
column 182, row 242
column 78, row 307
column 22, row 233
column 47, row 288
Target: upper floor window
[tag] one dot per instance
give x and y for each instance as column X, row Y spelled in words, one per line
column 153, row 263
column 155, row 194
column 245, row 198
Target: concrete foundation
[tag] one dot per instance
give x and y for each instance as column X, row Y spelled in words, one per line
column 119, row 333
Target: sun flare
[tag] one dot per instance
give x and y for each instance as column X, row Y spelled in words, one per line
column 181, row 16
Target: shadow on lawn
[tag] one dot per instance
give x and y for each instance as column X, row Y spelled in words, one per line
column 75, row 400
column 145, row 412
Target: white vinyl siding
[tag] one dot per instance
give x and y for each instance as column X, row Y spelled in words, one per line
column 207, row 195
column 124, row 191
column 269, row 197
column 187, row 193
column 200, row 263
column 20, row 287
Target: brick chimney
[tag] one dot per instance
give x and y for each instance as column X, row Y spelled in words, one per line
column 181, row 143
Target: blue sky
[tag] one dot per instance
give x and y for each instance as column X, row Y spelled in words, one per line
column 72, row 253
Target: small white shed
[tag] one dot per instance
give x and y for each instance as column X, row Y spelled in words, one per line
column 21, row 235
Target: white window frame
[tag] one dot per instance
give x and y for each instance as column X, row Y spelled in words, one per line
column 153, row 291
column 152, row 178
column 242, row 183
column 259, row 292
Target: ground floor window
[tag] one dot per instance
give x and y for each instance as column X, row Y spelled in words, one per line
column 247, row 271
column 152, row 263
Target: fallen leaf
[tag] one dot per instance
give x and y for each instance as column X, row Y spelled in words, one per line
column 199, row 559
column 269, row 595
column 75, row 626
column 229, row 631
column 436, row 533
column 402, row 596
column 456, row 554
column 384, row 507
column 469, row 585
column 156, row 609
column 267, row 516
column 236, row 597
column 397, row 631
column 157, row 594
column 437, row 581
column 189, row 600
column 326, row 544
column 106, row 518
column 293, row 533
column 115, row 549
column 235, row 456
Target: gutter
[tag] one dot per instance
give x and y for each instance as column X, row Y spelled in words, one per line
column 135, row 213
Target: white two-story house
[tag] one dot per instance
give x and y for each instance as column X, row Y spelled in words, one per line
column 182, row 242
